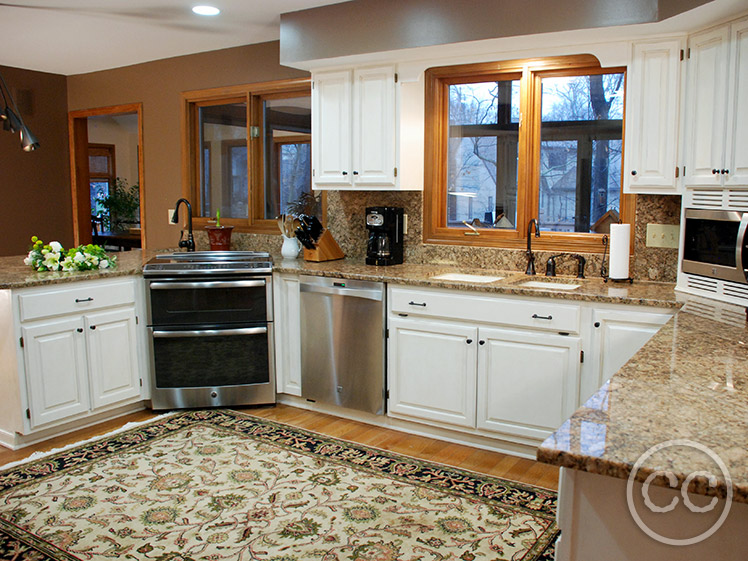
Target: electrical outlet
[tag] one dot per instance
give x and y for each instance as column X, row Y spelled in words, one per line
column 405, row 224
column 171, row 213
column 663, row 235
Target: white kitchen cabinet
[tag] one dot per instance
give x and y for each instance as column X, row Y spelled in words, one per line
column 527, row 381
column 717, row 109
column 287, row 328
column 354, row 134
column 56, row 370
column 78, row 356
column 450, row 361
column 653, row 117
column 431, row 369
column 616, row 335
column 111, row 341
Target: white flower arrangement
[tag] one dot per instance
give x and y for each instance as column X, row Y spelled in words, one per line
column 53, row 257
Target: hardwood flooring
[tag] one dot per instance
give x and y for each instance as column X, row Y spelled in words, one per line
column 431, row 449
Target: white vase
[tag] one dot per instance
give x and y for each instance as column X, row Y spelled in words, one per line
column 290, row 248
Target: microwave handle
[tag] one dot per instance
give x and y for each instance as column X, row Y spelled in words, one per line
column 741, row 241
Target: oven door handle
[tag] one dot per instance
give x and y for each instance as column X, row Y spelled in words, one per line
column 157, row 285
column 741, row 244
column 209, row 332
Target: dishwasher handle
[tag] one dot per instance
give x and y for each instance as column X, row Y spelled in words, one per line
column 342, row 291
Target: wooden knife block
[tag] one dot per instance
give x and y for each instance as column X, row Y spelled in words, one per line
column 327, row 249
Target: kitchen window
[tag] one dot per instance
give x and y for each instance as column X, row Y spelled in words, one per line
column 247, row 152
column 510, row 141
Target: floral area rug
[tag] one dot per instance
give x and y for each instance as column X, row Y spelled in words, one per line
column 221, row 485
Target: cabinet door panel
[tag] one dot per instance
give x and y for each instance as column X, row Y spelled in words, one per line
column 331, row 128
column 652, row 109
column 737, row 117
column 432, row 371
column 616, row 336
column 527, row 382
column 56, row 375
column 374, row 126
column 287, row 333
column 705, row 112
column 112, row 357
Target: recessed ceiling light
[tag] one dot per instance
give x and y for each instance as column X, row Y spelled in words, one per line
column 206, row 10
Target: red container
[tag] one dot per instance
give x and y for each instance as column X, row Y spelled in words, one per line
column 219, row 237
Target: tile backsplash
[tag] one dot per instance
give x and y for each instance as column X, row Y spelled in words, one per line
column 345, row 220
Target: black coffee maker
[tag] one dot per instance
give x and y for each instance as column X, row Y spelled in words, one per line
column 385, row 244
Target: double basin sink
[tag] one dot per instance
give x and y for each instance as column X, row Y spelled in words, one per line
column 546, row 284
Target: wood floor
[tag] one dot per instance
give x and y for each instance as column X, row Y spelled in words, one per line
column 465, row 457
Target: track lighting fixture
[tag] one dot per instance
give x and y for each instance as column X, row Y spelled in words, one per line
column 12, row 120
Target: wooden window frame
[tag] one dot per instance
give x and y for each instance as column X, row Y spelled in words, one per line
column 252, row 95
column 530, row 73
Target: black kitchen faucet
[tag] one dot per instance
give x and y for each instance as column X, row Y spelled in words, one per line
column 189, row 243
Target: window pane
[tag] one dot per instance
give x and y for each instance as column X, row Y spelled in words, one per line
column 98, row 164
column 482, row 154
column 99, row 192
column 580, row 152
column 223, row 137
column 287, row 152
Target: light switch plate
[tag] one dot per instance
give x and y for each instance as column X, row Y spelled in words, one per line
column 663, row 235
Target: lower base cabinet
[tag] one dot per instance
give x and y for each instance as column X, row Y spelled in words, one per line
column 431, row 370
column 527, row 381
column 78, row 354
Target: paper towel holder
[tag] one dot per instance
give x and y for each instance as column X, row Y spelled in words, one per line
column 604, row 267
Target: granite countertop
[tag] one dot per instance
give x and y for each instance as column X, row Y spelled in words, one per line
column 690, row 381
column 14, row 274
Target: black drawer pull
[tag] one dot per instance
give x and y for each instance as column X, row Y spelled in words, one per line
column 79, row 300
column 536, row 316
column 422, row 304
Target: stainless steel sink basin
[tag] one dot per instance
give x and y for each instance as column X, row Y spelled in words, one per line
column 548, row 285
column 460, row 277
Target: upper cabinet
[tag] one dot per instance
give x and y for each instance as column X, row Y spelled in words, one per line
column 716, row 115
column 652, row 117
column 356, row 130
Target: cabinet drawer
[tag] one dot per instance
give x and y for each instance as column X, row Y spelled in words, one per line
column 535, row 314
column 75, row 298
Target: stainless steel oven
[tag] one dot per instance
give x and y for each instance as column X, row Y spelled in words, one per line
column 714, row 244
column 210, row 323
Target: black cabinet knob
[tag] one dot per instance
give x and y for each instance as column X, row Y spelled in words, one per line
column 715, row 171
column 345, row 173
column 725, row 171
column 633, row 172
column 468, row 341
column 355, row 173
column 79, row 330
column 92, row 327
column 481, row 342
column 597, row 324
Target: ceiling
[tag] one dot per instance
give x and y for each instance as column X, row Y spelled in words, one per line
column 76, row 36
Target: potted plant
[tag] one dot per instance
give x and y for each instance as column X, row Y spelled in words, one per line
column 219, row 236
column 121, row 206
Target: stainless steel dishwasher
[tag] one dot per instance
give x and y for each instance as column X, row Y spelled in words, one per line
column 343, row 342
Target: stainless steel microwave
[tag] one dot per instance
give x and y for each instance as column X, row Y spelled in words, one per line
column 714, row 244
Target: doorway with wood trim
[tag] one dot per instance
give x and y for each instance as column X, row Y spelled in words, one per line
column 106, row 162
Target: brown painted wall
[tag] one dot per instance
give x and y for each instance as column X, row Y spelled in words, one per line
column 35, row 186
column 158, row 85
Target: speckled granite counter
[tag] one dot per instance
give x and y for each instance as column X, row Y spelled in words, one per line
column 14, row 274
column 690, row 381
column 591, row 290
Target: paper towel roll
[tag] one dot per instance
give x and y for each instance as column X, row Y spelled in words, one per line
column 620, row 234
